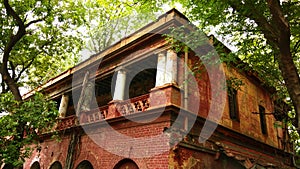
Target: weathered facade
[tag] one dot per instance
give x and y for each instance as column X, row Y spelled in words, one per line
column 138, row 88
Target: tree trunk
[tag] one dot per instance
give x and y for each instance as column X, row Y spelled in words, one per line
column 282, row 40
column 292, row 80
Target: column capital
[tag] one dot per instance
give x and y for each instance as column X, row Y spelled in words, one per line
column 162, row 51
column 122, row 69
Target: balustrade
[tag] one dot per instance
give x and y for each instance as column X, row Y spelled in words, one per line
column 134, row 105
column 126, row 107
column 66, row 122
column 94, row 115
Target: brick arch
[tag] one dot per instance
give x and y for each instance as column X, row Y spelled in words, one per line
column 56, row 165
column 85, row 164
column 87, row 156
column 126, row 163
column 35, row 165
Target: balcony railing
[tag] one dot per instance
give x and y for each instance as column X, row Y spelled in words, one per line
column 126, row 107
column 134, row 105
column 66, row 122
column 94, row 115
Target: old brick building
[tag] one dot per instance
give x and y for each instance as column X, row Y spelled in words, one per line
column 139, row 106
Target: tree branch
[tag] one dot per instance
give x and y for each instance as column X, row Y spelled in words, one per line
column 277, row 15
column 8, row 48
column 35, row 21
column 267, row 29
column 11, row 12
column 296, row 46
column 12, row 69
column 23, row 69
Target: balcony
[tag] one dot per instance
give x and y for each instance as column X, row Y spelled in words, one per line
column 123, row 108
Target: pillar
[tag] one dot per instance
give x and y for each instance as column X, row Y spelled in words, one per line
column 63, row 105
column 161, row 69
column 166, row 68
column 166, row 91
column 119, row 93
column 171, row 67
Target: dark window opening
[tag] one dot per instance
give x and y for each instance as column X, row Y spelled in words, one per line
column 141, row 77
column 85, row 165
column 35, row 165
column 263, row 123
column 142, row 83
column 233, row 104
column 8, row 166
column 126, row 163
column 56, row 165
column 73, row 99
column 57, row 101
column 103, row 91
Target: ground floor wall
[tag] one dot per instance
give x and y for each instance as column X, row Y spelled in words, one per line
column 88, row 152
column 225, row 149
column 183, row 157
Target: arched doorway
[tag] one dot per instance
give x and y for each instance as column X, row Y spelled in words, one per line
column 85, row 165
column 35, row 165
column 56, row 165
column 126, row 164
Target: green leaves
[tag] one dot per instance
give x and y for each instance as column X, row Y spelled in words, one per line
column 51, row 41
column 38, row 41
column 31, row 117
column 109, row 21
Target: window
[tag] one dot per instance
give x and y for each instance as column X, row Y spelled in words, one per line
column 263, row 123
column 85, row 165
column 56, row 165
column 233, row 104
column 126, row 163
column 35, row 165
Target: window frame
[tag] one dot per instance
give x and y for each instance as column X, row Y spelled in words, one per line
column 263, row 120
column 232, row 95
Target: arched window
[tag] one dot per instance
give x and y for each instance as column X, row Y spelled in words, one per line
column 85, row 165
column 35, row 165
column 126, row 164
column 8, row 166
column 56, row 165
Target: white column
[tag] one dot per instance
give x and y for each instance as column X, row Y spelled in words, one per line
column 171, row 67
column 119, row 93
column 161, row 69
column 63, row 105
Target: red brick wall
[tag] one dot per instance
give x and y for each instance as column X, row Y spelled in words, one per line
column 250, row 96
column 87, row 149
column 194, row 159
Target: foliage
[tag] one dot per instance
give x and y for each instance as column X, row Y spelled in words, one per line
column 33, row 116
column 48, row 45
column 109, row 21
column 38, row 40
column 260, row 31
column 266, row 35
column 234, row 83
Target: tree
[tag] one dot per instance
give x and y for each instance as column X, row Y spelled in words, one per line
column 36, row 43
column 109, row 21
column 266, row 33
column 21, row 128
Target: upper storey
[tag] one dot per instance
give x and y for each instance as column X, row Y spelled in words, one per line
column 143, row 72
